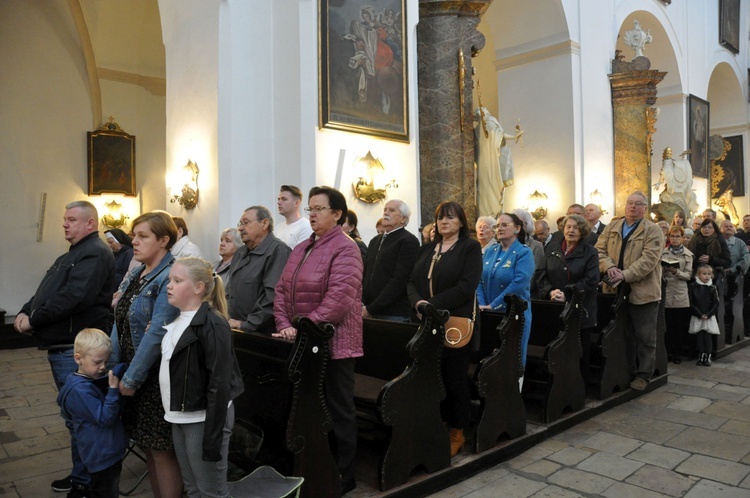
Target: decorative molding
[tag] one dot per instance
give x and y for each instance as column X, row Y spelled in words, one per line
column 730, row 129
column 470, row 8
column 155, row 85
column 88, row 56
column 566, row 47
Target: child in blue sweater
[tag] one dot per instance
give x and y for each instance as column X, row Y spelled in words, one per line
column 94, row 411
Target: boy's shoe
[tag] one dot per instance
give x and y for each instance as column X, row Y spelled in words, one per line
column 61, row 485
column 77, row 491
column 639, row 384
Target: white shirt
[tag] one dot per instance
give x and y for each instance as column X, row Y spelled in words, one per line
column 183, row 248
column 174, row 332
column 293, row 233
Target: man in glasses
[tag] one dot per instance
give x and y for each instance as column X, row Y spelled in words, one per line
column 629, row 256
column 254, row 272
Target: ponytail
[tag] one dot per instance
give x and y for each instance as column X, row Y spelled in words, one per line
column 201, row 270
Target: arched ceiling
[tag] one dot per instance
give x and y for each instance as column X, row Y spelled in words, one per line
column 516, row 23
column 728, row 106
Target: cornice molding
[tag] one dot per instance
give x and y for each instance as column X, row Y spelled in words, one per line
column 155, row 85
column 567, row 47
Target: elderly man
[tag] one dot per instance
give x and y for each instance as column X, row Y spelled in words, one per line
column 630, row 254
column 74, row 294
column 541, row 232
column 710, row 214
column 390, row 260
column 254, row 272
column 295, row 228
column 740, row 263
column 593, row 214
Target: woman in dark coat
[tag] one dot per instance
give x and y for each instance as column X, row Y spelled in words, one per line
column 571, row 261
column 710, row 248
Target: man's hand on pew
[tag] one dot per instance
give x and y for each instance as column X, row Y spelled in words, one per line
column 235, row 324
column 289, row 334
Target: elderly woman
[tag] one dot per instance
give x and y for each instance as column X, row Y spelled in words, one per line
column 446, row 275
column 485, row 232
column 322, row 280
column 677, row 262
column 709, row 247
column 140, row 316
column 122, row 247
column 508, row 268
column 571, row 261
column 229, row 242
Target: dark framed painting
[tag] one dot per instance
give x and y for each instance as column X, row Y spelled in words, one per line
column 363, row 67
column 729, row 25
column 111, row 161
column 698, row 135
column 733, row 168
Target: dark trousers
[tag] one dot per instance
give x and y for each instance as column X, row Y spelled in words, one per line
column 456, row 407
column 678, row 321
column 106, row 483
column 703, row 342
column 641, row 337
column 339, row 384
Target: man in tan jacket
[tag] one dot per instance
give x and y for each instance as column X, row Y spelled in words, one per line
column 630, row 254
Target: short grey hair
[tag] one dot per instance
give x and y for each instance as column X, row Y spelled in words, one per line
column 235, row 234
column 526, row 219
column 404, row 209
column 491, row 221
column 86, row 206
column 262, row 213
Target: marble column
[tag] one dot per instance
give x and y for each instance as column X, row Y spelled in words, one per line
column 633, row 93
column 446, row 147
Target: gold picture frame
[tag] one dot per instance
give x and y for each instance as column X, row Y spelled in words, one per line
column 111, row 161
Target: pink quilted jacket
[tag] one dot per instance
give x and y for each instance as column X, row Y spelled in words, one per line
column 326, row 287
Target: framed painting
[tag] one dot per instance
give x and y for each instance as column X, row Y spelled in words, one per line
column 729, row 25
column 732, row 174
column 698, row 135
column 111, row 161
column 363, row 67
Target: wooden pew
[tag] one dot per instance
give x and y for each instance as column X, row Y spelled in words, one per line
column 284, row 396
column 553, row 372
column 609, row 360
column 502, row 411
column 399, row 386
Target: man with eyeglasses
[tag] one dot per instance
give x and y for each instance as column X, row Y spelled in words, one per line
column 254, row 272
column 629, row 256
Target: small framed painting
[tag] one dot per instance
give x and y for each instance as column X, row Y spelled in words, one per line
column 698, row 135
column 111, row 161
column 729, row 25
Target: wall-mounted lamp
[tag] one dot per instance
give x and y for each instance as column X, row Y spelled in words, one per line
column 114, row 217
column 189, row 181
column 597, row 198
column 366, row 186
column 538, row 205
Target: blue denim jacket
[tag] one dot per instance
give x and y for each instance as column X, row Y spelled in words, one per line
column 148, row 314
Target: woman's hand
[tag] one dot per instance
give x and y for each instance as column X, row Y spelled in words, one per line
column 289, row 334
column 235, row 324
column 704, row 317
column 704, row 259
column 485, row 307
column 556, row 295
column 126, row 391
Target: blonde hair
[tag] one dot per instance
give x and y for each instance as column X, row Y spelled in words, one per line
column 92, row 340
column 201, row 270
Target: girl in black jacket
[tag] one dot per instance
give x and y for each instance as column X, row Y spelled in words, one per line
column 704, row 303
column 199, row 376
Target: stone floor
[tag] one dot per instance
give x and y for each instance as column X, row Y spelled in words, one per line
column 688, row 438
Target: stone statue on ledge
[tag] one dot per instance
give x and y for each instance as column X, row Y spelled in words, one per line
column 677, row 177
column 637, row 39
column 493, row 160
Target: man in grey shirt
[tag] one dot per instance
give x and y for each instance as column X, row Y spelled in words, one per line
column 254, row 272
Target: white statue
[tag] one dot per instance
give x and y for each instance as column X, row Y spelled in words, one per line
column 677, row 175
column 494, row 162
column 637, row 39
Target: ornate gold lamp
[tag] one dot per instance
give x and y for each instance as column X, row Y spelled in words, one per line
column 114, row 217
column 188, row 198
column 538, row 205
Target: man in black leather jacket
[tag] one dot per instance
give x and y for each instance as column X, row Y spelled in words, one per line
column 75, row 294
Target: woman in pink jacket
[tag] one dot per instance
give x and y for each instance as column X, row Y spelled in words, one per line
column 322, row 280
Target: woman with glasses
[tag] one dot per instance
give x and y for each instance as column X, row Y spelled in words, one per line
column 322, row 280
column 677, row 268
column 507, row 269
column 571, row 261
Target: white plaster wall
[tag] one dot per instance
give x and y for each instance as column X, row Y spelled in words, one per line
column 46, row 110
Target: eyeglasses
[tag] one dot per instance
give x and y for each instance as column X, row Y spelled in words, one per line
column 502, row 225
column 316, row 209
column 244, row 223
column 635, row 203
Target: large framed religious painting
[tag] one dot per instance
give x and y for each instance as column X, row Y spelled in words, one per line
column 698, row 135
column 363, row 67
column 729, row 25
column 111, row 161
column 731, row 170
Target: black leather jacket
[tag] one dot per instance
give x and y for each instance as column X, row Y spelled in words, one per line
column 204, row 375
column 76, row 293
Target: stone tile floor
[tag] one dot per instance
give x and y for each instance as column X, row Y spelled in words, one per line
column 688, row 438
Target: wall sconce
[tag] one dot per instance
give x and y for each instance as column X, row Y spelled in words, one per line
column 538, row 205
column 597, row 198
column 366, row 186
column 114, row 217
column 189, row 180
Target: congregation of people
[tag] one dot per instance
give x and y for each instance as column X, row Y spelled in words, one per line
column 139, row 334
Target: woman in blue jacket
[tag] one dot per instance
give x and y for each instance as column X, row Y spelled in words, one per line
column 507, row 268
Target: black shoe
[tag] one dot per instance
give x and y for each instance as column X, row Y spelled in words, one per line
column 701, row 359
column 707, row 361
column 61, row 485
column 78, row 491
